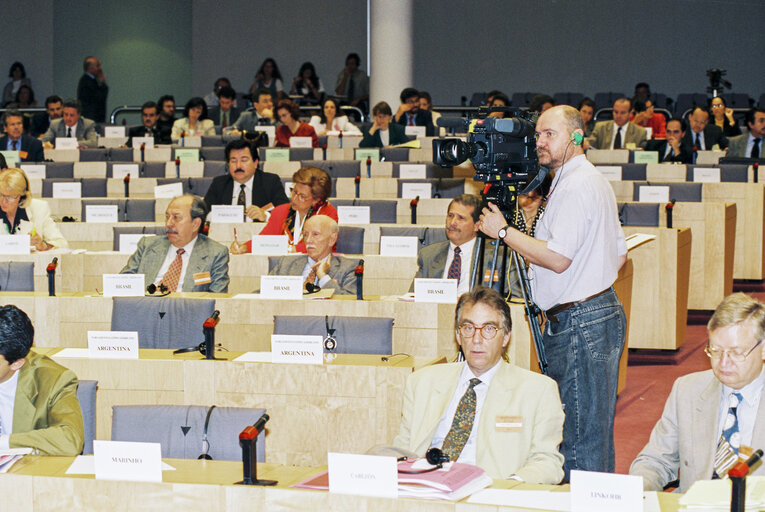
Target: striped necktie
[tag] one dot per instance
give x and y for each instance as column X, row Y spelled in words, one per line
column 730, row 439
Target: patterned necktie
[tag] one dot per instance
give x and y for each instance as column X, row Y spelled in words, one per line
column 462, row 424
column 730, row 439
column 170, row 279
column 755, row 149
column 69, row 132
column 698, row 142
column 224, row 119
column 242, row 199
column 310, row 278
column 16, row 142
column 618, row 138
column 455, row 269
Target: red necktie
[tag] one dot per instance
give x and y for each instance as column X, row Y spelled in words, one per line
column 14, row 144
column 170, row 279
column 455, row 269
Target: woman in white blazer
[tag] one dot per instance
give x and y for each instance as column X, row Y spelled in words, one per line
column 194, row 122
column 329, row 121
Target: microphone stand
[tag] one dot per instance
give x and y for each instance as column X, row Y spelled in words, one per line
column 359, row 271
column 248, row 442
column 51, row 270
column 413, row 207
column 737, row 476
column 209, row 331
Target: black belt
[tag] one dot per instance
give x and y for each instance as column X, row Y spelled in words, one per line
column 560, row 308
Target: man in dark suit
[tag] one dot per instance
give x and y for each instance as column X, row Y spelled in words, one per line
column 92, row 90
column 225, row 113
column 672, row 149
column 383, row 133
column 409, row 113
column 150, row 128
column 704, row 136
column 72, row 124
column 750, row 145
column 29, row 148
column 41, row 121
column 256, row 190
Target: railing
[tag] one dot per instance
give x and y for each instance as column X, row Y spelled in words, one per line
column 308, row 110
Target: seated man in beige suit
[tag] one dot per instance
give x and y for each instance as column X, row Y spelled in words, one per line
column 715, row 417
column 619, row 133
column 38, row 397
column 485, row 411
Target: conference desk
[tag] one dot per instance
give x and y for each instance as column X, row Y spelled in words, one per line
column 38, row 484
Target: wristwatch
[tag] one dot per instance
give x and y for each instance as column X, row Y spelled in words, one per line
column 502, row 233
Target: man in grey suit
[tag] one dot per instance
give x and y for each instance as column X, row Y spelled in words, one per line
column 71, row 125
column 183, row 260
column 713, row 418
column 318, row 266
column 261, row 114
column 749, row 145
column 619, row 133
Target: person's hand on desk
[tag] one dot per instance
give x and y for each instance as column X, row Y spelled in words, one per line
column 38, row 242
column 47, row 145
column 237, row 248
column 255, row 213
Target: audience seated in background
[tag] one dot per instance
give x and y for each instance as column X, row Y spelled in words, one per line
column 712, row 419
column 194, row 122
column 310, row 191
column 307, row 85
column 25, row 98
column 499, row 100
column 643, row 115
column 225, row 113
column 352, row 84
column 18, row 76
column 318, row 266
column 23, row 214
column 382, row 132
column 457, row 406
column 166, row 106
column 673, row 148
column 332, row 120
column 541, row 102
column 722, row 117
column 289, row 115
column 642, row 91
column 619, row 133
column 703, row 136
column 183, row 260
column 41, row 121
column 426, row 105
column 409, row 113
column 262, row 114
column 750, row 145
column 270, row 78
column 92, row 90
column 587, row 110
column 71, row 124
column 490, row 96
column 245, row 184
column 29, row 148
column 38, row 397
column 211, row 98
column 150, row 127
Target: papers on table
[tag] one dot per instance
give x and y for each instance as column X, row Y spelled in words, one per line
column 638, row 239
column 9, row 457
column 453, row 482
column 714, row 495
column 82, row 353
column 543, row 500
column 255, row 357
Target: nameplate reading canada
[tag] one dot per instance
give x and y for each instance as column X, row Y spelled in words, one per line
column 133, row 462
column 281, row 287
column 605, row 492
column 298, row 349
column 113, row 344
column 364, row 475
column 123, row 285
column 435, row 290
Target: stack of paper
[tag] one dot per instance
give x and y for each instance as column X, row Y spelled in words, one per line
column 9, row 457
column 714, row 495
column 453, row 482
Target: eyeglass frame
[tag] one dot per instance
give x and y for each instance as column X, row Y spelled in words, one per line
column 716, row 355
column 476, row 329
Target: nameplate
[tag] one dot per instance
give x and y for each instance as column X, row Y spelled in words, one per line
column 12, row 158
column 706, row 174
column 123, row 285
column 288, row 187
column 146, row 142
column 363, row 154
column 14, row 244
column 610, row 172
column 270, row 245
column 353, row 215
column 297, row 349
column 417, row 131
column 66, row 143
column 129, row 242
column 270, row 131
column 363, row 475
column 171, row 190
column 187, row 154
column 412, row 171
column 114, row 131
column 399, row 246
column 646, row 157
column 33, row 170
column 113, row 344
column 67, row 190
column 281, row 287
column 227, row 213
column 277, row 155
column 301, row 142
column 435, row 290
column 101, row 213
column 630, row 145
column 132, row 462
column 412, row 190
column 653, row 194
column 605, row 492
column 121, row 170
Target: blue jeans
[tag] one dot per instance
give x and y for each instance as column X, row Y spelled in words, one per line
column 583, row 349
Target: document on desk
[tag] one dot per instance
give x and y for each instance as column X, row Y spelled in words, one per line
column 9, row 457
column 255, row 357
column 712, row 495
column 539, row 500
column 86, row 465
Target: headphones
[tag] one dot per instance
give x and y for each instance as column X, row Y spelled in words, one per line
column 153, row 288
column 435, row 458
column 205, row 442
column 576, row 138
column 330, row 342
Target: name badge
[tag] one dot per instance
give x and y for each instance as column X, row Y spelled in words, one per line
column 129, row 242
column 353, row 215
column 12, row 158
column 417, row 131
column 14, row 244
column 605, row 492
column 412, row 171
column 412, row 190
column 270, row 131
column 509, row 424
column 67, row 190
column 653, row 194
column 630, row 145
column 66, row 143
column 299, row 349
column 443, row 291
column 101, row 213
column 227, row 213
column 123, row 285
column 270, row 245
column 201, row 278
column 363, row 154
column 611, row 172
column 146, row 142
column 363, row 475
column 121, row 170
column 301, row 142
column 34, row 170
column 706, row 174
column 281, row 287
column 277, row 155
column 169, row 191
column 187, row 154
column 113, row 344
column 646, row 157
column 399, row 246
column 114, row 131
column 133, row 462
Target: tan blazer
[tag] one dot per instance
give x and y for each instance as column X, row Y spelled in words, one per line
column 604, row 131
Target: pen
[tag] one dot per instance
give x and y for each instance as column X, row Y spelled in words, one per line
column 235, row 238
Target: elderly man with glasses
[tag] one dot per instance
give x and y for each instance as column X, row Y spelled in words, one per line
column 715, row 417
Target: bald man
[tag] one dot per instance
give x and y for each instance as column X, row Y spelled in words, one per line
column 619, row 133
column 92, row 90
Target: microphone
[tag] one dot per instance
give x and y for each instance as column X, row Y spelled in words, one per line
column 213, row 320
column 178, row 164
column 756, row 169
column 450, row 122
column 143, row 151
column 357, row 181
column 359, row 271
column 208, row 328
column 340, row 139
column 369, row 167
column 413, row 207
column 51, row 270
column 261, row 423
column 52, row 265
column 668, row 208
column 324, row 150
column 737, row 476
column 247, row 440
column 126, row 181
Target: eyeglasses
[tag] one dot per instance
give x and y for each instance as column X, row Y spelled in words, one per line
column 737, row 356
column 718, row 106
column 488, row 331
column 300, row 196
column 10, row 199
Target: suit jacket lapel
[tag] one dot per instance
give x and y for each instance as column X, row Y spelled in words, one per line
column 435, row 407
column 26, row 394
column 154, row 257
column 197, row 262
column 438, row 263
column 705, row 416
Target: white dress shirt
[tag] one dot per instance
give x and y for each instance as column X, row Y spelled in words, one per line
column 746, row 412
column 7, row 400
column 617, row 129
column 171, row 254
column 385, row 137
column 466, row 258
